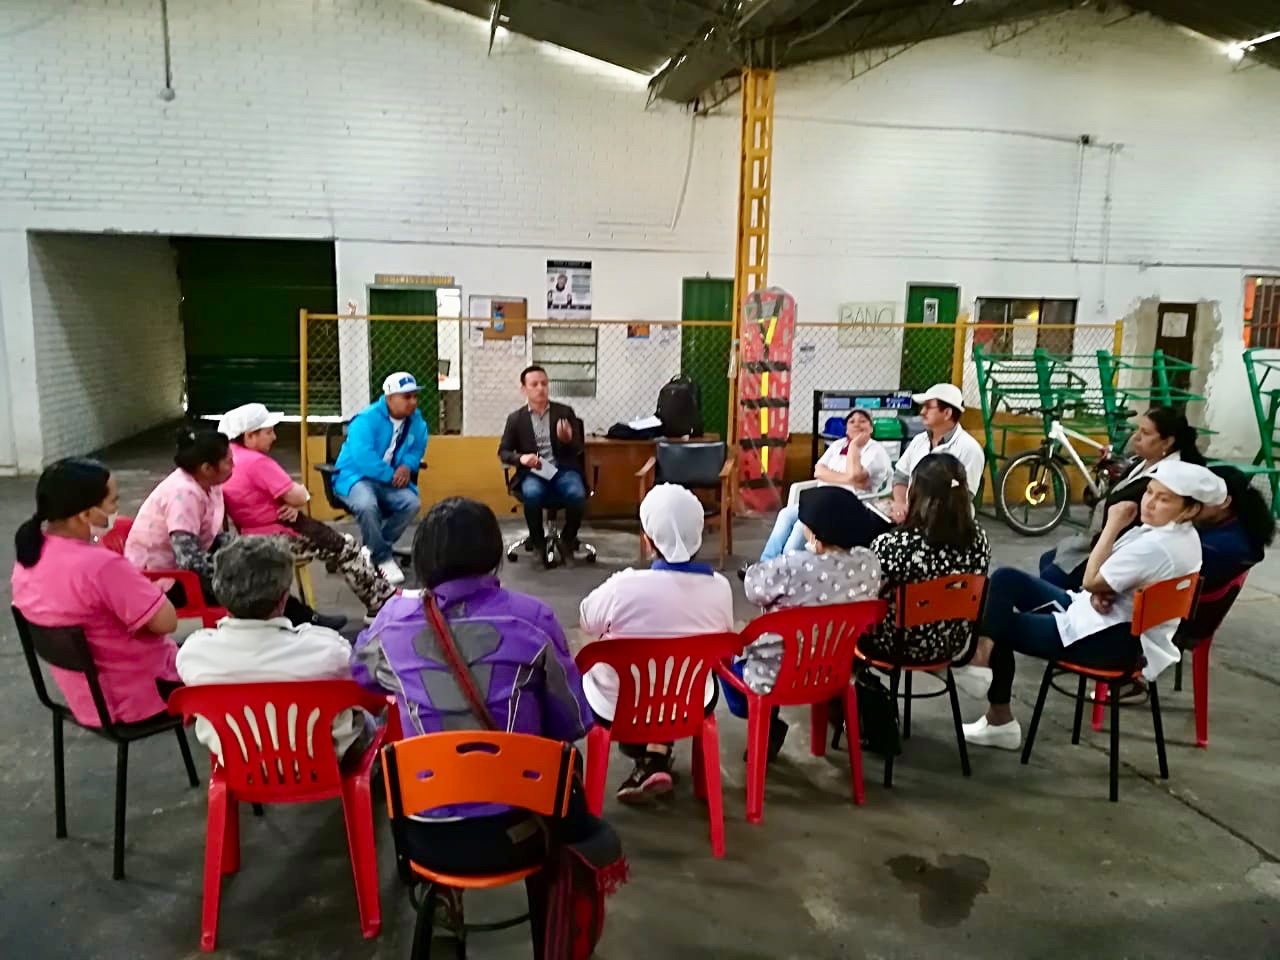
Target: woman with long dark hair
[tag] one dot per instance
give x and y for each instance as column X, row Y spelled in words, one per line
column 513, row 654
column 179, row 525
column 1234, row 535
column 939, row 538
column 1161, row 434
column 63, row 578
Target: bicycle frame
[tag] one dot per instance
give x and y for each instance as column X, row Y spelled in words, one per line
column 1062, row 436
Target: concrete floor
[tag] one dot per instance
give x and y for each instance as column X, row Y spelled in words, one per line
column 1016, row 862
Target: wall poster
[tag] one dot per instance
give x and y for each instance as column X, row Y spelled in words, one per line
column 568, row 289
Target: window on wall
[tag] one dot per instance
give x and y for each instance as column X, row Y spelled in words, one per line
column 1262, row 312
column 569, row 356
column 1053, row 320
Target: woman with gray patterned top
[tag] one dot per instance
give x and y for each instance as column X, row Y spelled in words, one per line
column 830, row 570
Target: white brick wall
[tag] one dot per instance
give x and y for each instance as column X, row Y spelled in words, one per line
column 384, row 124
column 109, row 350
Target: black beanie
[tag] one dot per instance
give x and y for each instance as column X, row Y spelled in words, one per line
column 831, row 514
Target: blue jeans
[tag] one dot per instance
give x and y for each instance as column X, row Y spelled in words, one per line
column 787, row 535
column 734, row 699
column 565, row 490
column 1007, row 620
column 383, row 512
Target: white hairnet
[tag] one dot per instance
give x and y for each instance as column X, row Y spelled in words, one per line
column 671, row 516
column 1191, row 480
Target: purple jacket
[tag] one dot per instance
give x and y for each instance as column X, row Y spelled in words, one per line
column 514, row 645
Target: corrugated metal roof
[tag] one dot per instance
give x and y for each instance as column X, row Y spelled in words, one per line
column 697, row 42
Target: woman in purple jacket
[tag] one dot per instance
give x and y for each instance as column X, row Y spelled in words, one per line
column 520, row 659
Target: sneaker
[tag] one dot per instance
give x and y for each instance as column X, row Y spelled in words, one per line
column 1007, row 736
column 975, row 681
column 391, row 570
column 334, row 621
column 651, row 778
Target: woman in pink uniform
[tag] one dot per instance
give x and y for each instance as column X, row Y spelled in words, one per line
column 62, row 578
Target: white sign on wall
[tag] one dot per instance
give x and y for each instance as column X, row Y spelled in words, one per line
column 867, row 324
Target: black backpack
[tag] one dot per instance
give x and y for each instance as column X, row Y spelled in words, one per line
column 680, row 408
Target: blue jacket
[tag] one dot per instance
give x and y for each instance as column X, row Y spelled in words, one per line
column 368, row 436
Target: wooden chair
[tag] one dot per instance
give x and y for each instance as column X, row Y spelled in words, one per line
column 1171, row 599
column 703, row 465
column 958, row 597
column 67, row 649
column 472, row 766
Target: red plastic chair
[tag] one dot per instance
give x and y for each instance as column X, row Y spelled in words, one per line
column 957, row 597
column 1172, row 599
column 1202, row 626
column 661, row 694
column 816, row 668
column 195, row 608
column 471, row 766
column 277, row 748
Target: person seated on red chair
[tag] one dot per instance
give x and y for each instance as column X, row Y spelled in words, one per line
column 62, row 578
column 261, row 498
column 258, row 644
column 832, row 569
column 179, row 525
column 1234, row 534
column 676, row 597
column 1026, row 614
column 519, row 657
column 541, row 441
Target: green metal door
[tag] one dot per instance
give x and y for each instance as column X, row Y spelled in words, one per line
column 704, row 351
column 410, row 345
column 240, row 303
column 926, row 351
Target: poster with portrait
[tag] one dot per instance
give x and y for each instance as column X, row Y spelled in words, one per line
column 568, row 289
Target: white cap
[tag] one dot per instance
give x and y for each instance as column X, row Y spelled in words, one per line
column 399, row 382
column 947, row 393
column 672, row 517
column 1190, row 480
column 247, row 418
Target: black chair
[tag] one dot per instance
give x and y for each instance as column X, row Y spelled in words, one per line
column 335, row 435
column 697, row 465
column 67, row 649
column 555, row 552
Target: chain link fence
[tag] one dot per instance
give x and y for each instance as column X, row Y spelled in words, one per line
column 610, row 371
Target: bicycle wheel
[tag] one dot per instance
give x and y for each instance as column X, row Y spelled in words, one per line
column 1033, row 493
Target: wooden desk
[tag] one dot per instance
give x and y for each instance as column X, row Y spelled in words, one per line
column 619, row 460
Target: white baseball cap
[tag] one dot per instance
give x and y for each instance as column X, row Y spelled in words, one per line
column 1192, row 480
column 247, row 418
column 947, row 393
column 400, row 382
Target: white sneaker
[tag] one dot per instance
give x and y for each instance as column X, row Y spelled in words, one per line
column 1007, row 736
column 975, row 681
column 391, row 570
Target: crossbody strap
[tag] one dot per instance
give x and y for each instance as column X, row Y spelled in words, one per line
column 458, row 666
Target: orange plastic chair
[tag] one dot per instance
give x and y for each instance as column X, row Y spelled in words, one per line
column 1202, row 626
column 661, row 693
column 470, row 766
column 817, row 665
column 277, row 748
column 1171, row 599
column 958, row 597
column 196, row 608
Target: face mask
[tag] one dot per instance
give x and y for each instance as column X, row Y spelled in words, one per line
column 100, row 531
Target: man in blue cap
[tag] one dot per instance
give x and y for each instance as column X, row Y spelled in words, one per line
column 377, row 466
